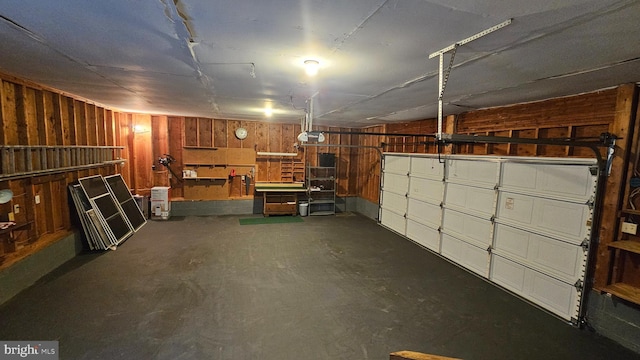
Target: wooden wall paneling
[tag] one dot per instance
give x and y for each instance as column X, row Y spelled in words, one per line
column 250, row 141
column 9, row 122
column 524, row 149
column 626, row 102
column 589, row 131
column 3, row 113
column 160, row 147
column 61, row 218
column 101, row 126
column 584, row 109
column 206, row 190
column 262, row 144
column 21, row 198
column 80, row 116
column 220, row 133
column 206, row 157
column 232, row 140
column 34, row 117
column 52, row 121
column 343, row 161
column 21, row 115
column 275, row 145
column 238, row 157
column 40, row 224
column 92, row 125
column 67, row 115
column 190, row 131
column 121, row 137
column 499, row 149
column 176, row 128
column 550, row 133
column 142, row 155
column 289, row 137
column 205, row 132
column 109, row 128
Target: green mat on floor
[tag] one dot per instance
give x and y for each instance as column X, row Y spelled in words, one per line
column 271, row 220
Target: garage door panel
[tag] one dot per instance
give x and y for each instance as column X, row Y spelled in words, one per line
column 424, row 235
column 394, row 202
column 468, row 227
column 571, row 182
column 550, row 293
column 469, row 256
column 426, row 189
column 551, row 217
column 471, row 198
column 560, row 259
column 397, row 164
column 430, row 168
column 553, row 294
column 396, row 183
column 424, row 213
column 474, row 172
column 393, row 221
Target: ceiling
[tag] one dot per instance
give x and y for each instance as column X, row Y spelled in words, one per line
column 231, row 59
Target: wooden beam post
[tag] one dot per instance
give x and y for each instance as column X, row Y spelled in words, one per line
column 622, row 126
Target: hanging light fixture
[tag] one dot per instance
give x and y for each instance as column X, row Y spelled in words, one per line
column 311, row 67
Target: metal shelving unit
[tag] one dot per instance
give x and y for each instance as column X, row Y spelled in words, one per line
column 321, row 185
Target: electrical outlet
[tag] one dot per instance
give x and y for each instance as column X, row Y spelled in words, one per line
column 16, row 209
column 629, row 228
column 37, row 199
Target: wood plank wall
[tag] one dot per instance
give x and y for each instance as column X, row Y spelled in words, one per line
column 584, row 116
column 190, row 132
column 31, row 114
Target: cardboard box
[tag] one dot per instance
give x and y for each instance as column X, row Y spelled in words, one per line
column 160, row 202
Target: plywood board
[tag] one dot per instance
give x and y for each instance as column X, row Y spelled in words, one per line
column 237, row 156
column 219, row 133
column 205, row 132
column 216, row 156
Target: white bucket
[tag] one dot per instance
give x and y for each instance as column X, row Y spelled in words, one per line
column 303, row 208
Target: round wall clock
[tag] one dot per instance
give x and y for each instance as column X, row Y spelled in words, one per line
column 241, row 133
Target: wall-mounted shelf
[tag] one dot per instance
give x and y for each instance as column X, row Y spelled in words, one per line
column 206, row 178
column 624, row 291
column 627, row 245
column 214, row 170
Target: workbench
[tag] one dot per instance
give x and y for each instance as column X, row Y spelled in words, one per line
column 280, row 198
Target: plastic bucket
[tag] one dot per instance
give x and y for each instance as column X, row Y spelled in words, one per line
column 303, row 208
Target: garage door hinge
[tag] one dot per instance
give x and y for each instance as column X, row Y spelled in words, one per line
column 439, row 229
column 493, row 219
column 441, row 204
column 489, row 249
column 593, row 170
column 406, row 195
column 578, row 285
column 591, row 202
column 585, row 244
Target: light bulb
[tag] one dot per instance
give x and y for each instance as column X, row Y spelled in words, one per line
column 311, row 67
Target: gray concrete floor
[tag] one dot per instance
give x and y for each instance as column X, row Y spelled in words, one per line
column 337, row 287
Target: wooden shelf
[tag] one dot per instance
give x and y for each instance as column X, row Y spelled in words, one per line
column 630, row 211
column 624, row 291
column 205, row 178
column 626, row 245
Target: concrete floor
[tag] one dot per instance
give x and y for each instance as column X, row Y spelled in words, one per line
column 337, row 287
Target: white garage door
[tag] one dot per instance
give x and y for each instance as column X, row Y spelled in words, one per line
column 522, row 223
column 393, row 197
